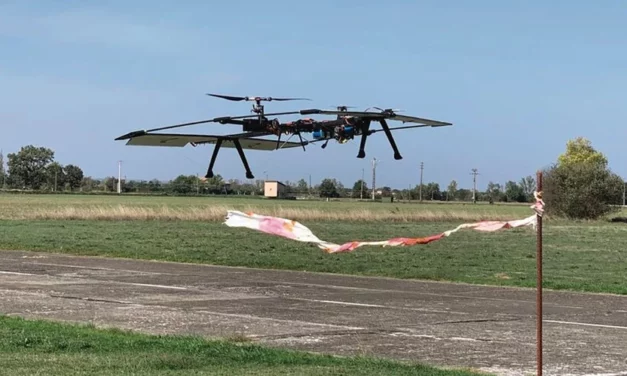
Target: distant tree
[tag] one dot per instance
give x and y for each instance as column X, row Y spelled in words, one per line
column 581, row 191
column 27, row 167
column 579, row 185
column 493, row 192
column 155, row 186
column 213, row 184
column 431, row 192
column 74, row 176
column 580, row 151
column 55, row 176
column 3, row 174
column 302, row 186
column 514, row 192
column 464, row 194
column 357, row 189
column 328, row 188
column 528, row 186
column 341, row 190
column 386, row 192
column 88, row 183
column 184, row 184
column 451, row 190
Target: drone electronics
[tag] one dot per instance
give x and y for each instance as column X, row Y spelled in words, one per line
column 343, row 128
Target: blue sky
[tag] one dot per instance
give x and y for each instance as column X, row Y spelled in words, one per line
column 517, row 79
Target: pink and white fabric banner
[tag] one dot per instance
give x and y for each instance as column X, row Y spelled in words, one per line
column 294, row 230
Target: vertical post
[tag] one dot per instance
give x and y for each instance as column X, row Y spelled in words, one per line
column 119, row 176
column 422, row 166
column 374, row 172
column 361, row 195
column 539, row 281
column 474, row 185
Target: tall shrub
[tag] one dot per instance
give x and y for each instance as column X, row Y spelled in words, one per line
column 580, row 185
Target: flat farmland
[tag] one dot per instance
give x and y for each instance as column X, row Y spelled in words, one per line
column 214, row 208
column 584, row 256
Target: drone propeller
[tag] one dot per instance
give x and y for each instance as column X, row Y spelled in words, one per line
column 387, row 109
column 342, row 107
column 256, row 98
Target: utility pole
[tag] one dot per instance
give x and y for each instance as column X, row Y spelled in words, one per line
column 422, row 166
column 374, row 173
column 119, row 177
column 55, row 179
column 474, row 174
column 361, row 195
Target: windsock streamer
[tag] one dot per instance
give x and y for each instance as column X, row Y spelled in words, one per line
column 294, row 230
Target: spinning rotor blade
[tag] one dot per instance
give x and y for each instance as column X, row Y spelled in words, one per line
column 395, row 110
column 228, row 97
column 286, row 99
column 268, row 99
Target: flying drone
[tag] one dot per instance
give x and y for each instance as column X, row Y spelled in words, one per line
column 346, row 126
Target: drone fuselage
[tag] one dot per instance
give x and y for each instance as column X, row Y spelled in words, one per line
column 342, row 129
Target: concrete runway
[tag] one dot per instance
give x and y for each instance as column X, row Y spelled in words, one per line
column 444, row 324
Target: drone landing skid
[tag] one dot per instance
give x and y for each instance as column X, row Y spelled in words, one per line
column 240, row 151
column 362, row 144
column 388, row 133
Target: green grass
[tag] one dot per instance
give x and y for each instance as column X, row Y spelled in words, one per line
column 584, row 256
column 46, row 348
column 577, row 256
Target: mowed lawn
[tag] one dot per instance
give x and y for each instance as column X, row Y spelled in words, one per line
column 586, row 256
column 39, row 347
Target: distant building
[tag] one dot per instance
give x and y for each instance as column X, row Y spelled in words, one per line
column 274, row 189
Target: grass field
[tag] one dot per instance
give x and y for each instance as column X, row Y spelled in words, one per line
column 214, row 209
column 585, row 256
column 40, row 347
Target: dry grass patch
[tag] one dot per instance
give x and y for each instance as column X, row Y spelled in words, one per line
column 218, row 213
column 85, row 207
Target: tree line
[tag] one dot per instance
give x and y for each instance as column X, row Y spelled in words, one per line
column 578, row 185
column 34, row 168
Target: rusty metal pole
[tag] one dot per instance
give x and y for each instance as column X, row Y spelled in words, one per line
column 539, row 281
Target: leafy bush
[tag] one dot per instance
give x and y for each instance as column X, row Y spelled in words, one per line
column 581, row 191
column 580, row 186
